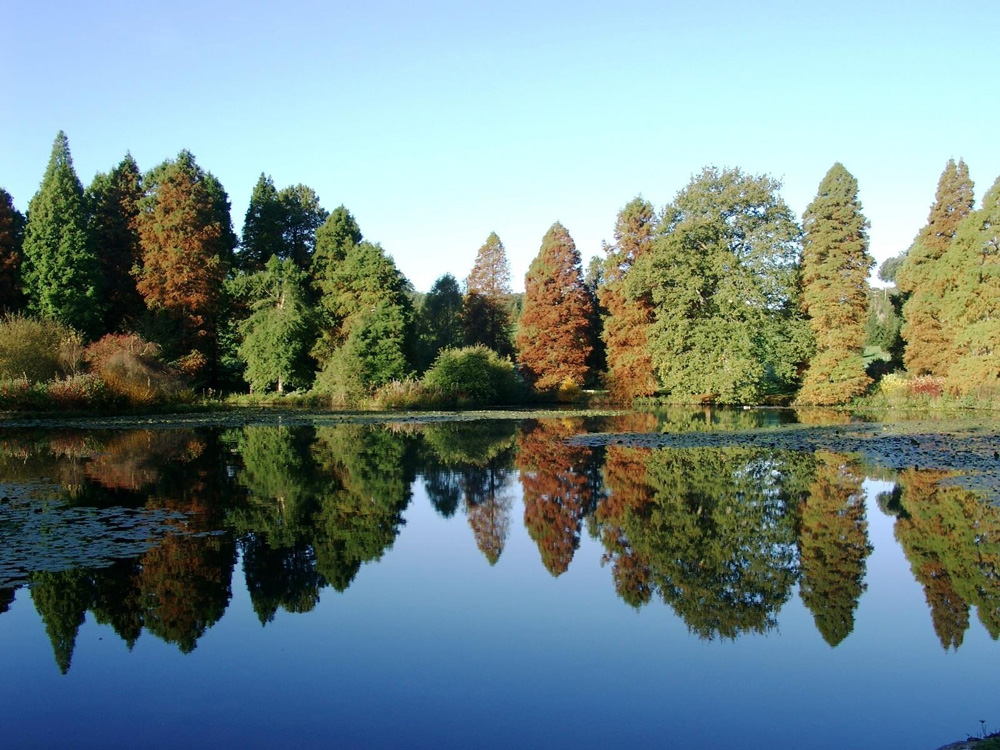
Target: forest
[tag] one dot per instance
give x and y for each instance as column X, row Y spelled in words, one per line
column 136, row 291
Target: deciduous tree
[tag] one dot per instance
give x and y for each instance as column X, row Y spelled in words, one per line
column 488, row 299
column 11, row 249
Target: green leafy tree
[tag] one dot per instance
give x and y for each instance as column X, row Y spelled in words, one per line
column 334, row 238
column 440, row 320
column 263, row 227
column 303, row 216
column 554, row 335
column 11, row 254
column 626, row 326
column 113, row 201
column 61, row 600
column 61, row 273
column 723, row 279
column 488, row 299
column 924, row 276
column 278, row 334
column 835, row 266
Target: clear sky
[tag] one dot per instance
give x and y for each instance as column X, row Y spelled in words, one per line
column 436, row 123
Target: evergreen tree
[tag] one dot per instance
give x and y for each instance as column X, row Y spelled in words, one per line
column 113, row 201
column 11, row 248
column 263, row 227
column 440, row 320
column 554, row 337
column 971, row 304
column 61, row 600
column 303, row 216
column 278, row 334
column 338, row 234
column 61, row 274
column 924, row 277
column 723, row 277
column 184, row 244
column 488, row 298
column 630, row 368
column 835, row 266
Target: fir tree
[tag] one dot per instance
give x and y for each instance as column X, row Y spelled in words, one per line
column 924, row 278
column 334, row 238
column 553, row 338
column 61, row 273
column 113, row 201
column 630, row 368
column 263, row 227
column 835, row 266
column 488, row 298
column 303, row 216
column 11, row 248
column 440, row 320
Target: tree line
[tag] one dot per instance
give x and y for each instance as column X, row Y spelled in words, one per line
column 722, row 295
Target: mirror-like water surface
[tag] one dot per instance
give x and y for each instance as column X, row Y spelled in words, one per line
column 487, row 584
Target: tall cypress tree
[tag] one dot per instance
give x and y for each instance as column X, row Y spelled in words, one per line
column 487, row 299
column 835, row 266
column 554, row 337
column 923, row 277
column 11, row 242
column 61, row 273
column 630, row 368
column 113, row 202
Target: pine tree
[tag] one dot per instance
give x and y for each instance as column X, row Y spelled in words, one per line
column 263, row 227
column 923, row 277
column 440, row 320
column 722, row 276
column 303, row 216
column 184, row 245
column 61, row 273
column 11, row 249
column 113, row 201
column 630, row 368
column 553, row 338
column 337, row 235
column 488, row 298
column 835, row 266
column 971, row 304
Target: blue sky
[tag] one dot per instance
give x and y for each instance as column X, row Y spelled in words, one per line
column 436, row 123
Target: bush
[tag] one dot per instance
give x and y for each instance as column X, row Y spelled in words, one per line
column 132, row 369
column 926, row 385
column 473, row 376
column 76, row 392
column 568, row 392
column 37, row 350
column 407, row 394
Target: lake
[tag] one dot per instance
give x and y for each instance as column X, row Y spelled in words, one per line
column 487, row 583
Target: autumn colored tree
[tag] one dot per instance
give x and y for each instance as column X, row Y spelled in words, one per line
column 11, row 249
column 833, row 545
column 630, row 368
column 184, row 244
column 554, row 336
column 113, row 204
column 723, row 279
column 279, row 333
column 487, row 301
column 440, row 320
column 923, row 276
column 970, row 307
column 61, row 273
column 556, row 492
column 835, row 266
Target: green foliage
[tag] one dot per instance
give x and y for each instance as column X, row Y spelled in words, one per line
column 487, row 313
column 37, row 350
column 278, row 334
column 439, row 320
column 338, row 234
column 61, row 273
column 723, row 278
column 890, row 268
column 11, row 254
column 473, row 376
column 885, row 322
column 835, row 266
column 263, row 227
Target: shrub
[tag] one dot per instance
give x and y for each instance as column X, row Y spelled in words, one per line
column 37, row 350
column 76, row 392
column 568, row 392
column 893, row 385
column 132, row 369
column 407, row 394
column 473, row 376
column 926, row 385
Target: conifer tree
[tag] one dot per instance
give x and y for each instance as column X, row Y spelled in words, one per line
column 630, row 368
column 184, row 246
column 303, row 216
column 835, row 266
column 924, row 278
column 11, row 242
column 722, row 275
column 440, row 320
column 488, row 298
column 113, row 201
column 553, row 338
column 971, row 304
column 61, row 274
column 263, row 227
column 338, row 234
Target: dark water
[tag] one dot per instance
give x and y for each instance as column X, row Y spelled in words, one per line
column 486, row 584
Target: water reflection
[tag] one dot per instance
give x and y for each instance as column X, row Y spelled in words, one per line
column 722, row 536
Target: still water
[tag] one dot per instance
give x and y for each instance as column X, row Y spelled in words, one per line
column 485, row 584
